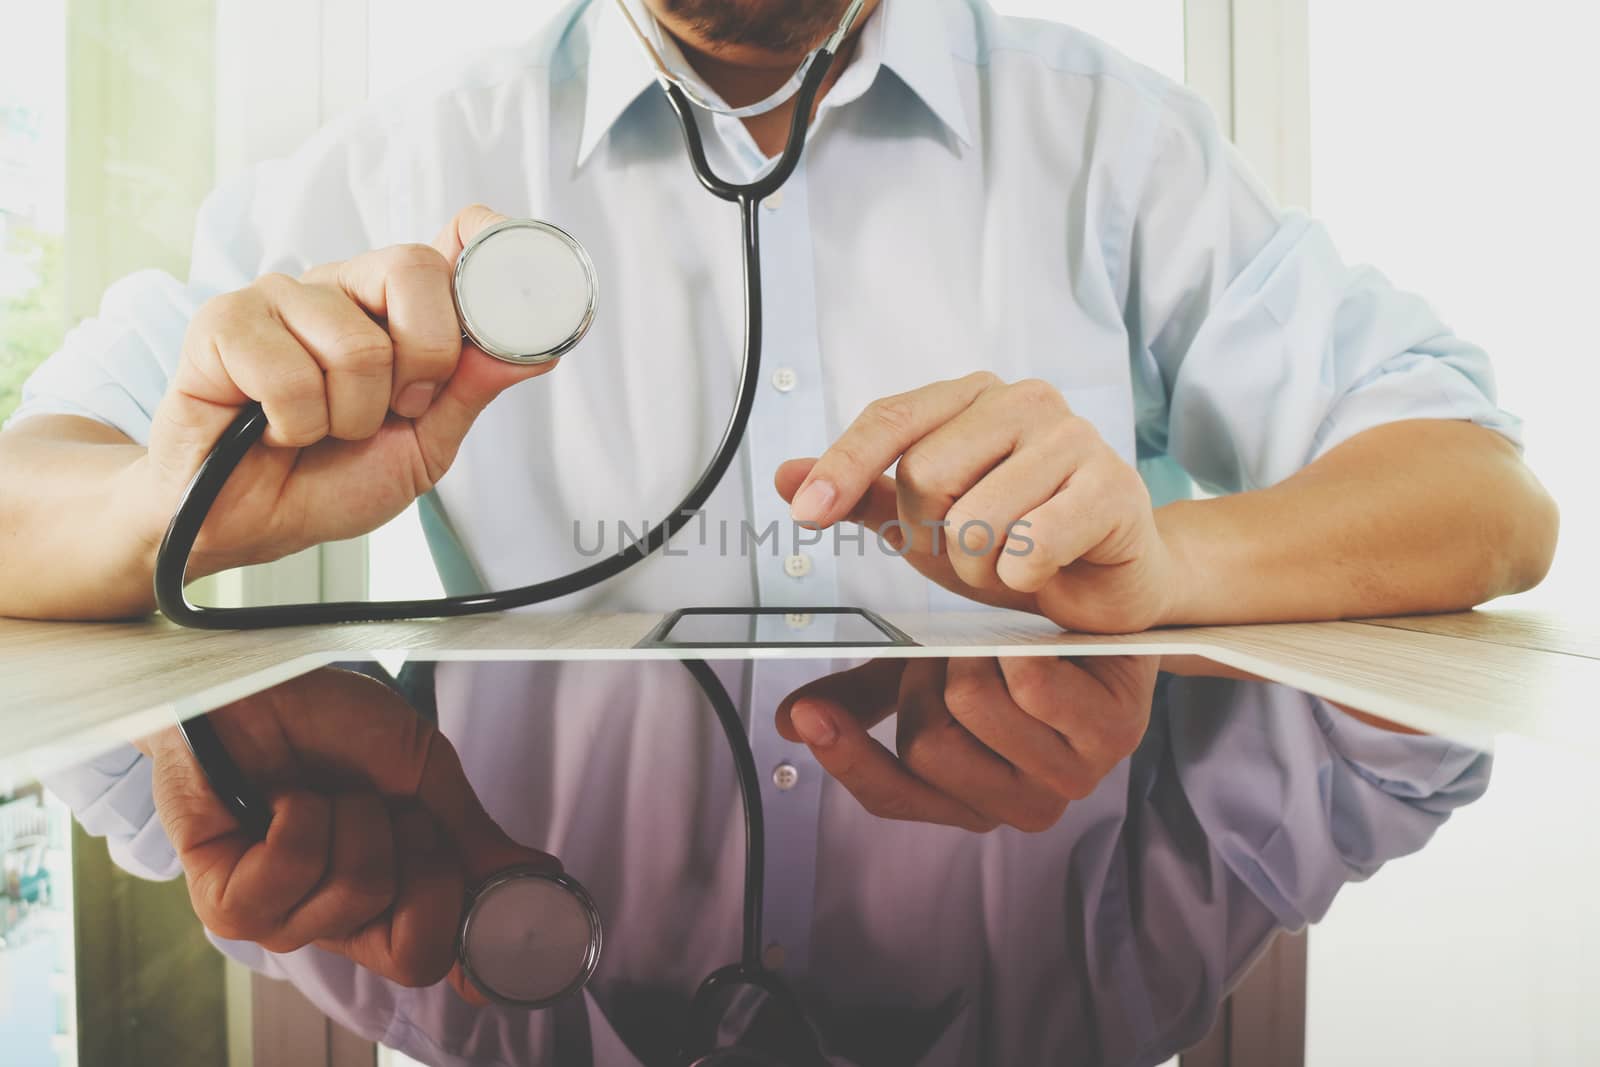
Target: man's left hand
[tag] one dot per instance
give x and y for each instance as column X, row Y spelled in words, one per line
column 979, row 743
column 1002, row 494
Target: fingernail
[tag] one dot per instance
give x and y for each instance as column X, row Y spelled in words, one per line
column 813, row 502
column 813, row 725
column 414, row 399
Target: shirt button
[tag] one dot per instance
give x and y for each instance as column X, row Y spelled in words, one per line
column 784, row 379
column 797, row 565
column 775, row 201
column 785, row 776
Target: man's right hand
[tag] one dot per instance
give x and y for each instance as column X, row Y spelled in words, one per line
column 368, row 390
column 376, row 834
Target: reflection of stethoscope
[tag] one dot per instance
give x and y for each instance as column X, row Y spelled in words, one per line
column 530, row 937
column 526, row 293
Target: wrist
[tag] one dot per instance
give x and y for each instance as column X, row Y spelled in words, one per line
column 1190, row 566
column 143, row 492
column 134, row 505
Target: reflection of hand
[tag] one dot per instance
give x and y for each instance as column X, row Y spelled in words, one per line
column 376, row 833
column 1002, row 494
column 981, row 742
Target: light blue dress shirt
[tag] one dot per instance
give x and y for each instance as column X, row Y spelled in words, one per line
column 978, row 193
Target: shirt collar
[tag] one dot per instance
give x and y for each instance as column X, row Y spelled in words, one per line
column 912, row 39
column 909, row 37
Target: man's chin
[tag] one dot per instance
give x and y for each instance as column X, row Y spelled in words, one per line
column 753, row 30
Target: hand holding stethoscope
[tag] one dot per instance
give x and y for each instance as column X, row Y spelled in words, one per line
column 332, row 358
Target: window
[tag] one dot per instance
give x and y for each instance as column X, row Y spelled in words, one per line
column 1451, row 148
column 106, row 119
column 33, row 102
column 105, row 153
column 37, row 1019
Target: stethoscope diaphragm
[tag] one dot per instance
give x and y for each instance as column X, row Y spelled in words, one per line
column 530, row 937
column 525, row 291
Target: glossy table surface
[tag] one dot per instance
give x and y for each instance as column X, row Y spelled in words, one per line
column 1246, row 809
column 69, row 687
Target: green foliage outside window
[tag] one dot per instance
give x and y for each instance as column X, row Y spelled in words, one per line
column 32, row 323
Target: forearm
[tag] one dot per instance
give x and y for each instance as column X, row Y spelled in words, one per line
column 1412, row 517
column 73, row 542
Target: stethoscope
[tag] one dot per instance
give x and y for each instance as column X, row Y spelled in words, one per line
column 526, row 292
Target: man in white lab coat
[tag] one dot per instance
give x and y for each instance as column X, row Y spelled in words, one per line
column 1015, row 278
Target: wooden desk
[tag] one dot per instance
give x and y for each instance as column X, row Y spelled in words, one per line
column 67, row 690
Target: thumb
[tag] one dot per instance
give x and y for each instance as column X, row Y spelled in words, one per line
column 459, row 231
column 478, row 377
column 351, row 725
column 484, row 847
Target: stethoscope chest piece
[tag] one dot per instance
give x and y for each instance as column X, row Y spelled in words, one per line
column 530, row 938
column 525, row 291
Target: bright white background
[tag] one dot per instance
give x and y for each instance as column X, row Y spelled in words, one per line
column 1456, row 146
column 1453, row 144
column 1483, row 950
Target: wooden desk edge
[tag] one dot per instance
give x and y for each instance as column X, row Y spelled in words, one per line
column 53, row 745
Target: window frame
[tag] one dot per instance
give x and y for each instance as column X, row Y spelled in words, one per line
column 1250, row 60
column 268, row 105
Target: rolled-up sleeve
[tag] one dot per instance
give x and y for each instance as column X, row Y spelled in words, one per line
column 329, row 201
column 1256, row 347
column 1251, row 806
column 1299, row 798
column 111, row 797
column 114, row 367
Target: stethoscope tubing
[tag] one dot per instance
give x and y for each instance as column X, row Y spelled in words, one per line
column 243, row 800
column 172, row 557
column 250, row 808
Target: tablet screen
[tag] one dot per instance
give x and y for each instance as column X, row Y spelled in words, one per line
column 774, row 627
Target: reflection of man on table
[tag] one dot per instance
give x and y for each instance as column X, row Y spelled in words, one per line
column 1023, row 274
column 1108, row 938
